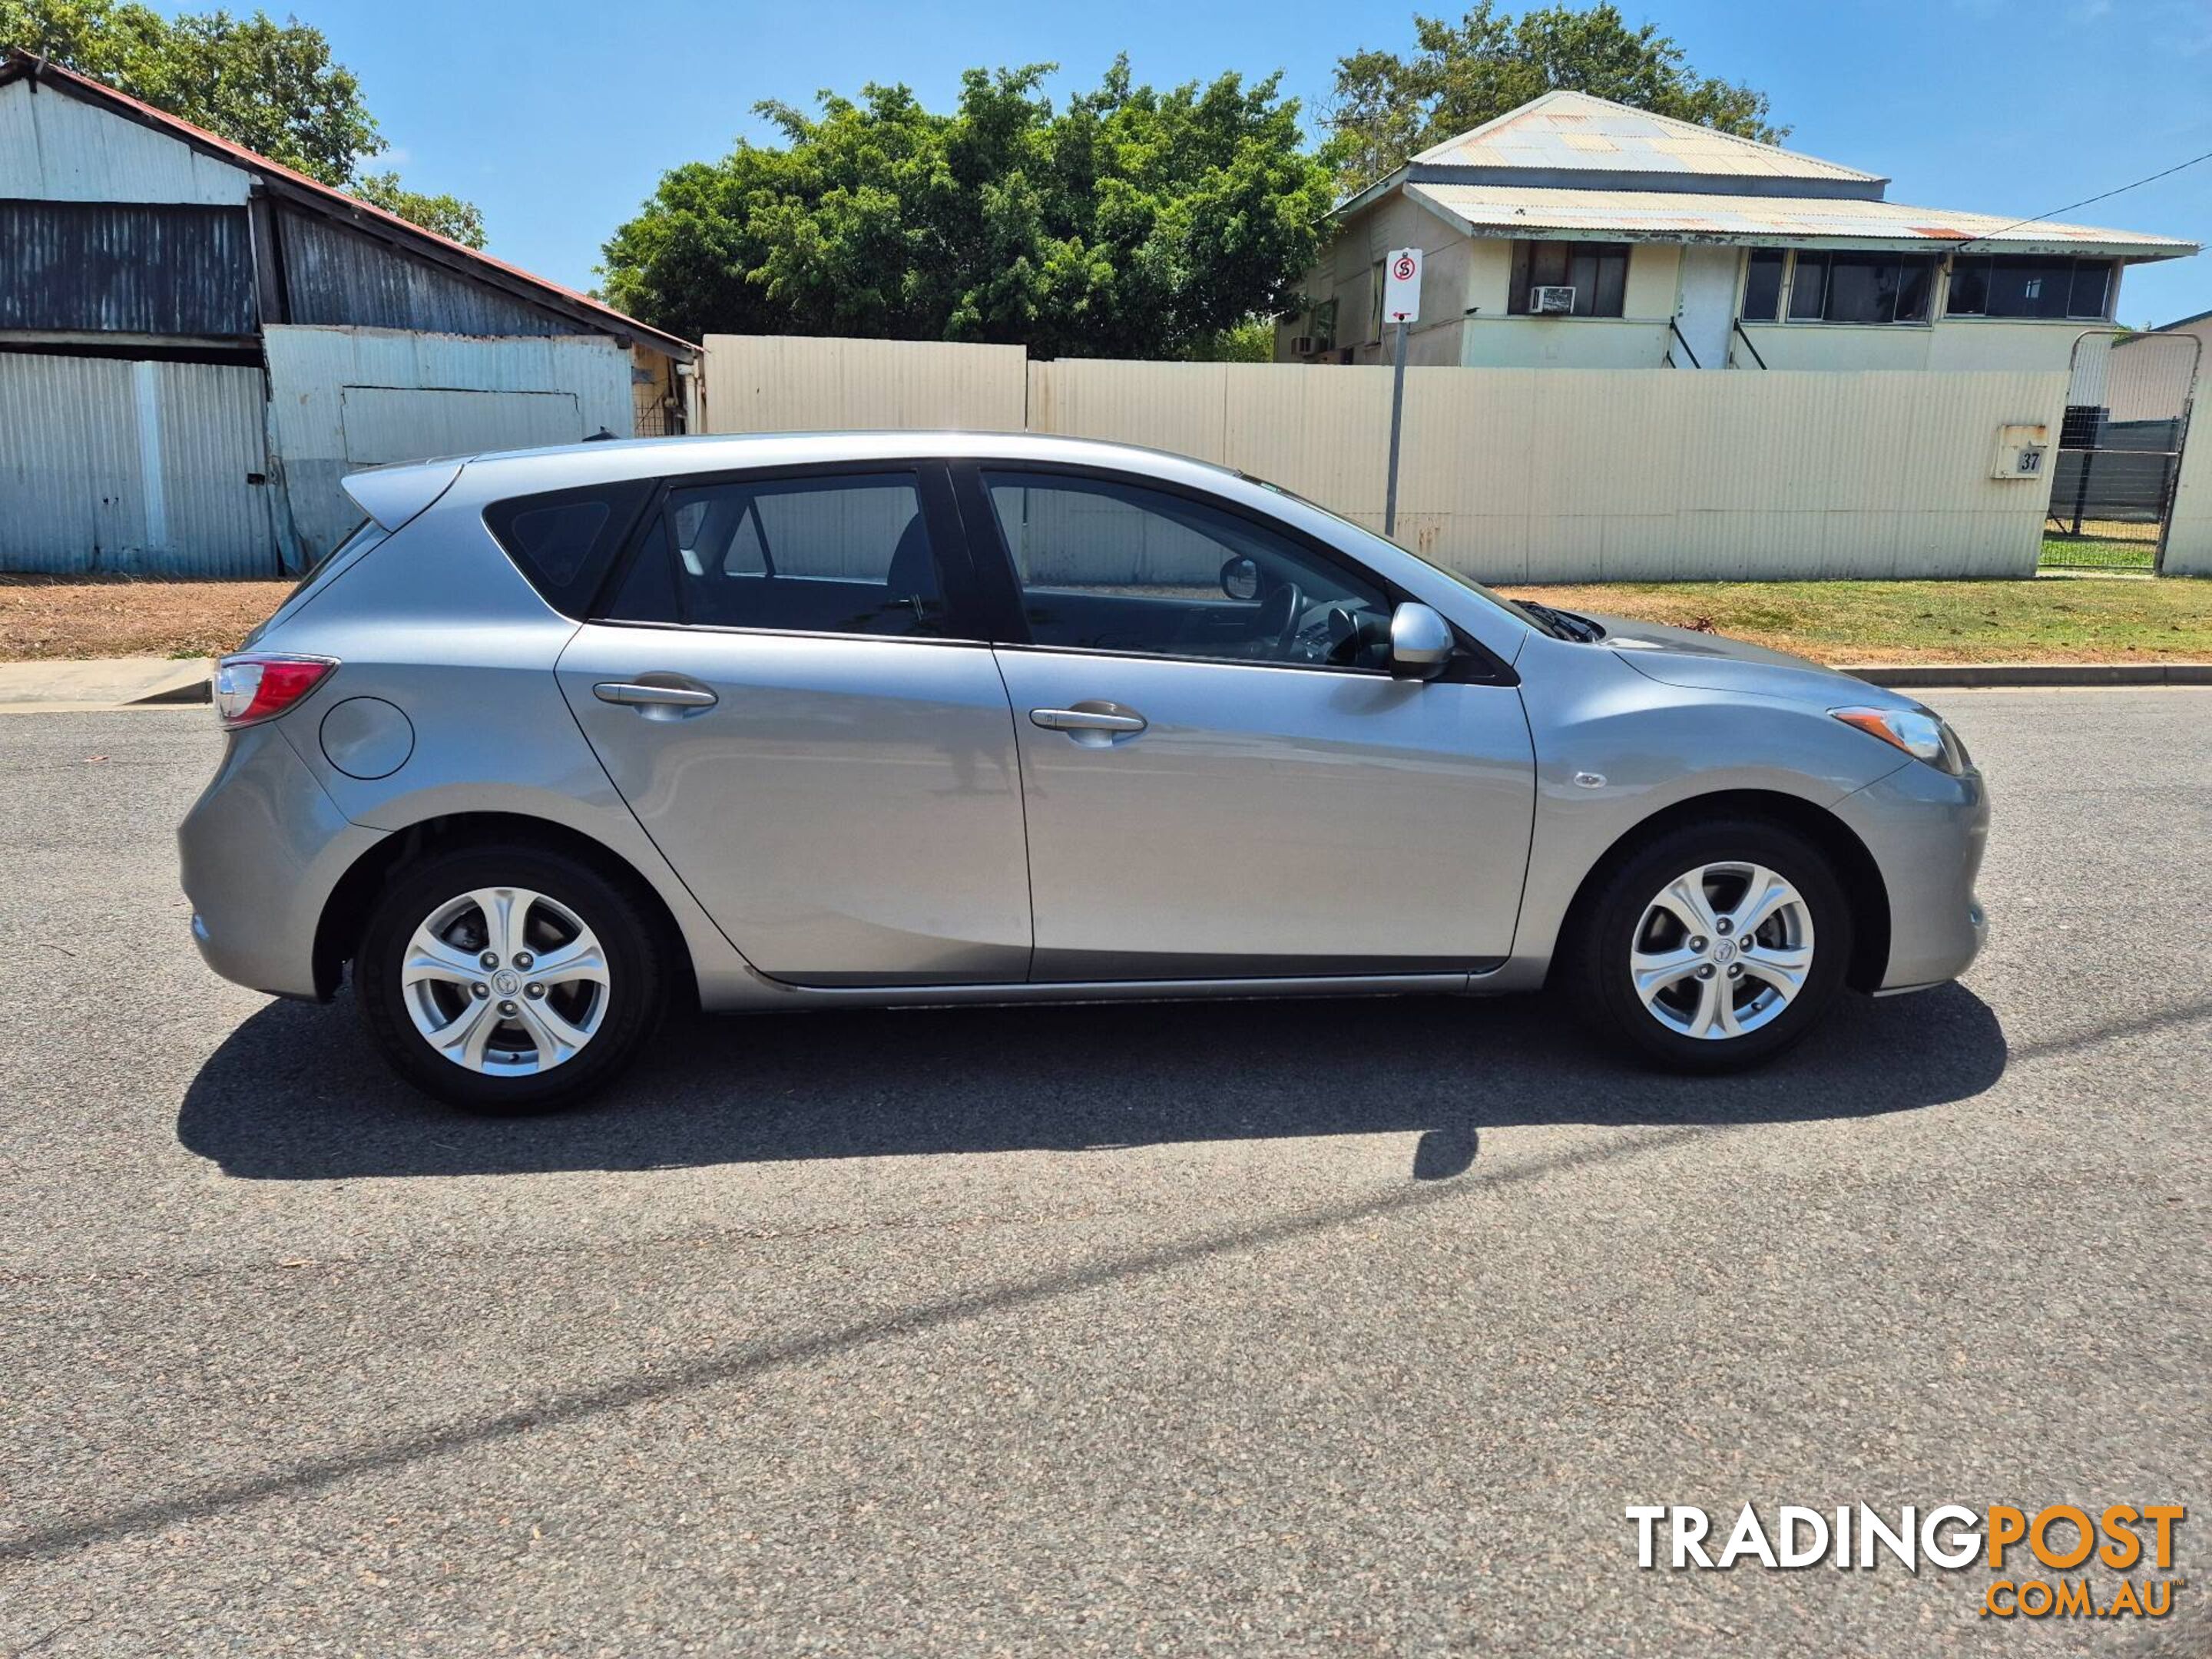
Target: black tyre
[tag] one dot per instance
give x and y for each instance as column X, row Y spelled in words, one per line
column 509, row 979
column 1714, row 947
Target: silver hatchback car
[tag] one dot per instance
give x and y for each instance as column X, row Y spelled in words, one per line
column 559, row 739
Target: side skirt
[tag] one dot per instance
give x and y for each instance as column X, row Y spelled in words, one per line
column 770, row 993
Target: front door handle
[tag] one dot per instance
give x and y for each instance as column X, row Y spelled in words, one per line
column 641, row 695
column 1087, row 719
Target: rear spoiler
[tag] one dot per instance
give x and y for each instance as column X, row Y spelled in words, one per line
column 393, row 494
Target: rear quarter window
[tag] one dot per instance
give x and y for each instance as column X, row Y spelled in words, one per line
column 564, row 541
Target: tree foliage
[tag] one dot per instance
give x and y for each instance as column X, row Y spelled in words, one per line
column 1388, row 108
column 1133, row 223
column 449, row 216
column 271, row 86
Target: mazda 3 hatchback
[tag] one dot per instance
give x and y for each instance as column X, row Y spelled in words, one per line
column 559, row 739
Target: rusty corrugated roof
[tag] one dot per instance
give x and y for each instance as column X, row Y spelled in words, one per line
column 1673, row 215
column 1573, row 131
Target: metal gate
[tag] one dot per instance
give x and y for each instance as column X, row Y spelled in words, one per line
column 153, row 468
column 2119, row 451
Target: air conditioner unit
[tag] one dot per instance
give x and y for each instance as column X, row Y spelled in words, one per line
column 1301, row 346
column 1548, row 300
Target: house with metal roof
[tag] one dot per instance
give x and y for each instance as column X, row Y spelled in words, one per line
column 197, row 343
column 1575, row 232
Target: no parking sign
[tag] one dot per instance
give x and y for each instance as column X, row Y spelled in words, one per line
column 1401, row 285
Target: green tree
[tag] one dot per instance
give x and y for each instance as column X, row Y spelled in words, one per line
column 1388, row 108
column 271, row 86
column 1252, row 341
column 449, row 216
column 1133, row 223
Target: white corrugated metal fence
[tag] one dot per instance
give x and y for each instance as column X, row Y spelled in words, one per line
column 1510, row 475
column 784, row 383
column 2189, row 531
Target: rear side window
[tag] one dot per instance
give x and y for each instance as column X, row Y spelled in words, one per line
column 848, row 553
column 564, row 541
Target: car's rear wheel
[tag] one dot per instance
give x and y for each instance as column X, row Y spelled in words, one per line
column 507, row 979
column 1716, row 946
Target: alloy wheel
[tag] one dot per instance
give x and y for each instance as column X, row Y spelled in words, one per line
column 1722, row 949
column 505, row 981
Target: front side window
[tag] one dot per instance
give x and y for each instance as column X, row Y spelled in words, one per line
column 1109, row 566
column 843, row 554
column 2029, row 285
column 1596, row 272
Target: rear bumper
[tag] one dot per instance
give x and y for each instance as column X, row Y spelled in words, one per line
column 1927, row 831
column 260, row 851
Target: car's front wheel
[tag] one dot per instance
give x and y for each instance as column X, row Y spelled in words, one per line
column 507, row 979
column 1716, row 946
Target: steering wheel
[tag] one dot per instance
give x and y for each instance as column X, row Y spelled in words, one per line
column 1279, row 613
column 1349, row 631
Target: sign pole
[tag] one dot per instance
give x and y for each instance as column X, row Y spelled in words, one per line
column 1397, row 419
column 1401, row 304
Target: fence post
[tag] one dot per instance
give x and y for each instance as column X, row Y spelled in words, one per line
column 2081, row 487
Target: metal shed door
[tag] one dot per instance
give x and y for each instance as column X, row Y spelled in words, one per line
column 386, row 423
column 137, row 466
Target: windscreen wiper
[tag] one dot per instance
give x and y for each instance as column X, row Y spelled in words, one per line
column 1564, row 624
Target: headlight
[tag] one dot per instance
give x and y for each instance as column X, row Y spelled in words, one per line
column 1919, row 733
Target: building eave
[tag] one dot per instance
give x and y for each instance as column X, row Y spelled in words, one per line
column 1730, row 220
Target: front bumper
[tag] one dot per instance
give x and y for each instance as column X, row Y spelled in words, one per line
column 260, row 851
column 1927, row 831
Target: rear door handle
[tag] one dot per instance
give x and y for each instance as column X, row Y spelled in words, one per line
column 654, row 696
column 1085, row 720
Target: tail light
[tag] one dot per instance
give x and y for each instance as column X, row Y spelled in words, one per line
column 259, row 685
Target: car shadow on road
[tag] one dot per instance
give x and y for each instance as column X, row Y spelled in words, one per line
column 297, row 1094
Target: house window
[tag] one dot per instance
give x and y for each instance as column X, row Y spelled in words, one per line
column 1762, row 284
column 2030, row 285
column 1324, row 325
column 1861, row 288
column 1597, row 271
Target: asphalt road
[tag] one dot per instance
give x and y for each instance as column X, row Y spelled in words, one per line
column 1334, row 1328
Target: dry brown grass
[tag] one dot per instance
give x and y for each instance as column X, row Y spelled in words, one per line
column 127, row 617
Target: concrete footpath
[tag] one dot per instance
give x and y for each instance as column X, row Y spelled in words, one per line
column 103, row 684
column 98, row 685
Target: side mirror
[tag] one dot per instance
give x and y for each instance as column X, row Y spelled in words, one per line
column 1240, row 577
column 1420, row 642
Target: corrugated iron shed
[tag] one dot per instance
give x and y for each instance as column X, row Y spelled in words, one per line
column 287, row 184
column 335, row 274
column 156, row 268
